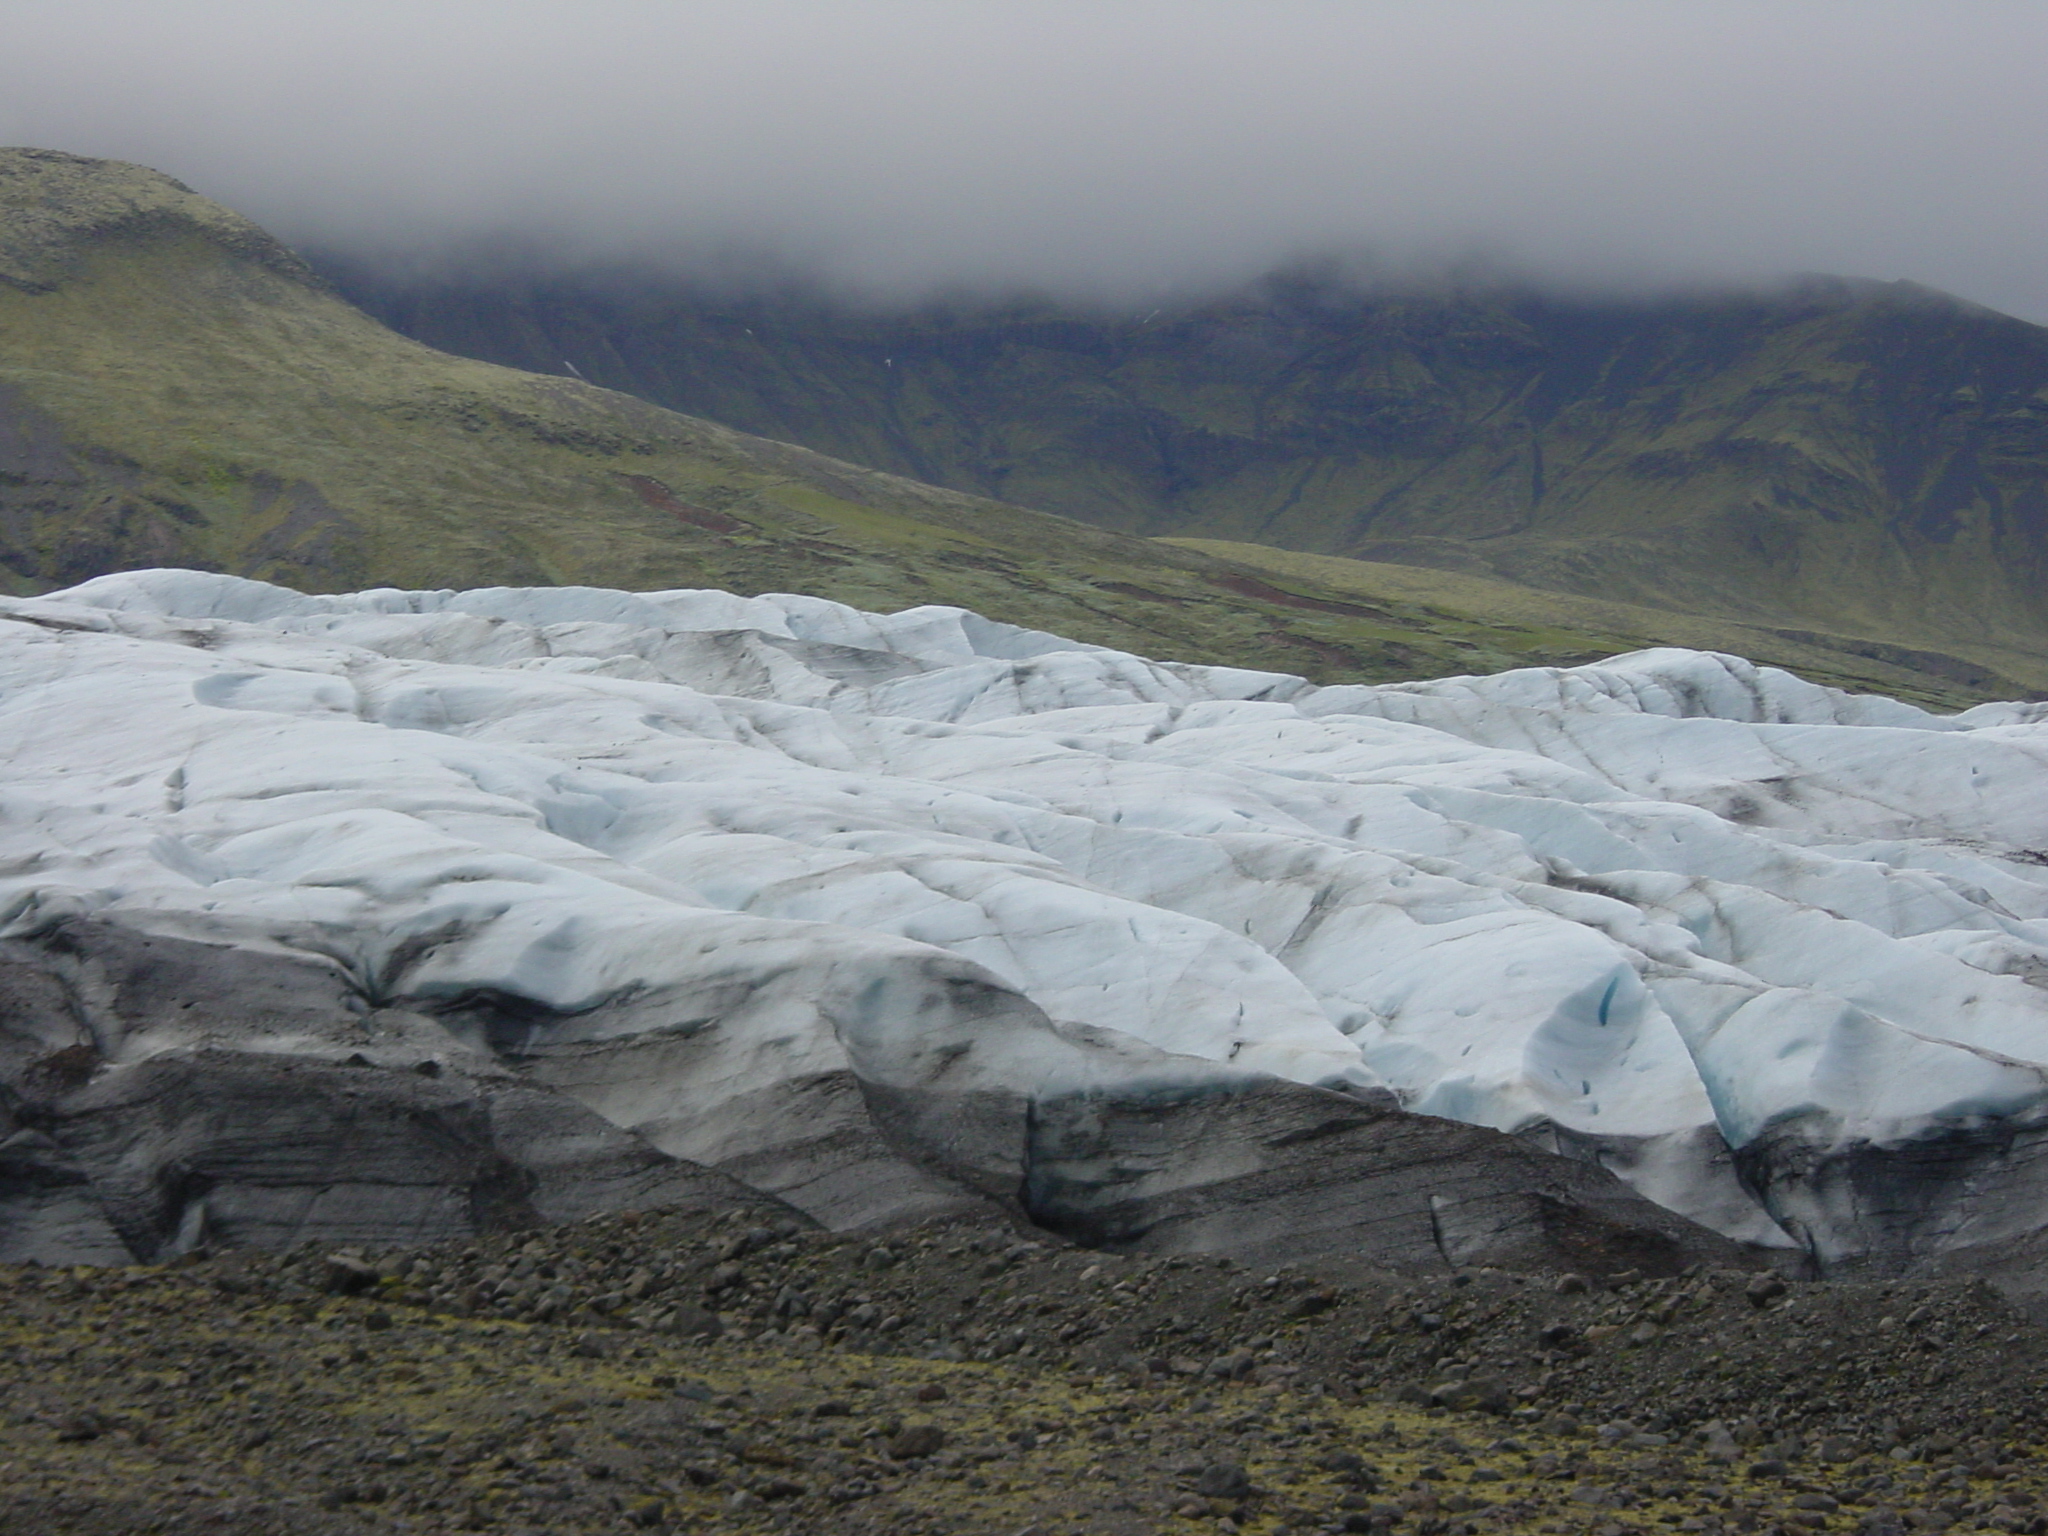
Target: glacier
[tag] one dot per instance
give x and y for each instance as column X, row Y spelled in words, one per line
column 846, row 908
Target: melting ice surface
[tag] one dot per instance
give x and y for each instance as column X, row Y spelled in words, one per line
column 1656, row 907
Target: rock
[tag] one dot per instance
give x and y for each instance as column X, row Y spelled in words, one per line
column 345, row 1274
column 1486, row 1394
column 1764, row 1290
column 725, row 1277
column 1223, row 1480
column 916, row 1440
column 1719, row 1444
column 1234, row 1366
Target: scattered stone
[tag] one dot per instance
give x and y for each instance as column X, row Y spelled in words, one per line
column 690, row 1422
column 1223, row 1480
column 916, row 1440
column 692, row 1322
column 1719, row 1444
column 347, row 1274
column 1486, row 1394
column 1836, row 1450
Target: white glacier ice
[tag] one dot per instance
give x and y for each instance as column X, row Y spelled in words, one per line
column 1699, row 919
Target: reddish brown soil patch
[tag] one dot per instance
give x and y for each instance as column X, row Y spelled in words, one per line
column 1246, row 586
column 661, row 498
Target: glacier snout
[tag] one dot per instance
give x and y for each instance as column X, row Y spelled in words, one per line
column 880, row 915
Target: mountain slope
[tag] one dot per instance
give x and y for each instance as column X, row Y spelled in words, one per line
column 178, row 388
column 1445, row 591
column 1852, row 457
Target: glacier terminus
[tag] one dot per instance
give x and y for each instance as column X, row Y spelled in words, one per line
column 390, row 915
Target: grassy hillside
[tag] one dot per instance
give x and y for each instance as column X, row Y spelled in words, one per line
column 1932, row 677
column 178, row 388
column 1858, row 458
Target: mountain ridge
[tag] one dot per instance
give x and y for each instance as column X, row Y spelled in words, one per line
column 177, row 388
column 60, row 206
column 1845, row 456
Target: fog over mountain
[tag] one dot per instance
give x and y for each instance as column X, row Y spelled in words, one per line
column 1118, row 151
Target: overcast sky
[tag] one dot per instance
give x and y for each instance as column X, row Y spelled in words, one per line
column 1106, row 147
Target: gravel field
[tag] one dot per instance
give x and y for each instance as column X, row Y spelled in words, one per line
column 706, row 1374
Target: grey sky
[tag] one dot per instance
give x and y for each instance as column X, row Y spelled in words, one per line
column 1117, row 146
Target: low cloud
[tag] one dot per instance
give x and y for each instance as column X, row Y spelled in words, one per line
column 1118, row 149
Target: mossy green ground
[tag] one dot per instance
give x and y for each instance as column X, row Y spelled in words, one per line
column 1556, row 621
